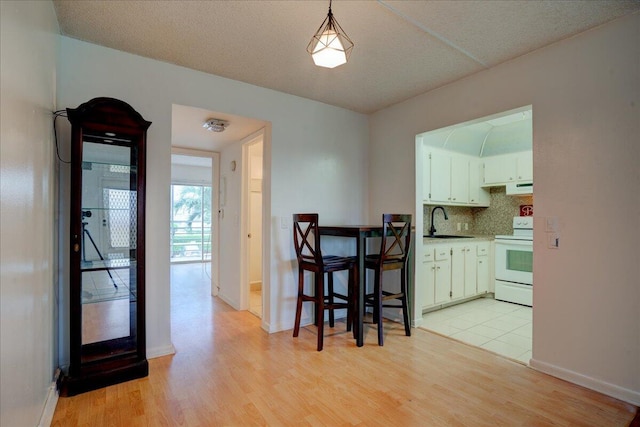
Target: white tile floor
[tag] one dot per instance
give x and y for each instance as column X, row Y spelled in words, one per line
column 97, row 286
column 497, row 326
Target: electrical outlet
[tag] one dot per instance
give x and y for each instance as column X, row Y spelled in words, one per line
column 553, row 241
column 459, row 226
column 466, row 226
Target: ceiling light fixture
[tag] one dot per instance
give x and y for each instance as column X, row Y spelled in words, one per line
column 330, row 46
column 216, row 125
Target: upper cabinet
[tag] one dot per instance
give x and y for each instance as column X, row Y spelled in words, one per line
column 452, row 179
column 508, row 168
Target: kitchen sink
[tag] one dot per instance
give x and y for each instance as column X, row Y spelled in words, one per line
column 449, row 236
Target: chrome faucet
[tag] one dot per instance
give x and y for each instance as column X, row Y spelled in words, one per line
column 432, row 230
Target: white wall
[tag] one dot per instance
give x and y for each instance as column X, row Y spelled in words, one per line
column 315, row 153
column 27, row 158
column 585, row 93
column 183, row 174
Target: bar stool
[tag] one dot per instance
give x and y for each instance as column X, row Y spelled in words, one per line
column 394, row 253
column 307, row 243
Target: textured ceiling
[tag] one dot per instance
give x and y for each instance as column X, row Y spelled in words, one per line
column 402, row 48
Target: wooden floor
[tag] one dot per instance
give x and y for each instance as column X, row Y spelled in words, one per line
column 228, row 372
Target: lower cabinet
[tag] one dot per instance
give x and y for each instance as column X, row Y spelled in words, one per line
column 453, row 271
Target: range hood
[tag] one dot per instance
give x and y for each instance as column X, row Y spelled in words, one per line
column 520, row 189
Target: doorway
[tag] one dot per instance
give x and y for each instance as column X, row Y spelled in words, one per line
column 252, row 159
column 194, row 205
column 483, row 206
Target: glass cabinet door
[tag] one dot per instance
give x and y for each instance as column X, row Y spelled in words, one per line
column 108, row 245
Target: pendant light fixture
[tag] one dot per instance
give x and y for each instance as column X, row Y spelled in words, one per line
column 330, row 46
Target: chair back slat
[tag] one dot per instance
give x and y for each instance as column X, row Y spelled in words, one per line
column 307, row 238
column 396, row 238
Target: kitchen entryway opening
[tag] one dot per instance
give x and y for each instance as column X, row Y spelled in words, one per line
column 479, row 176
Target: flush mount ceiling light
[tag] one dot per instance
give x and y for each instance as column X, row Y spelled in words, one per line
column 216, row 125
column 330, row 46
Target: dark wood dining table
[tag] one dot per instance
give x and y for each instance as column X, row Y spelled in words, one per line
column 361, row 233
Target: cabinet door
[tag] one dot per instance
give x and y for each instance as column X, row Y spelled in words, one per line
column 459, row 179
column 525, row 166
column 458, row 271
column 443, row 281
column 440, row 176
column 477, row 195
column 470, row 268
column 483, row 274
column 499, row 169
column 426, row 176
column 429, row 283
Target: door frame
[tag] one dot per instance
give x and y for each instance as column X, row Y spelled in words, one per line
column 256, row 138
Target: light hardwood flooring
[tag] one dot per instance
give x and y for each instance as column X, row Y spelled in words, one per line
column 229, row 372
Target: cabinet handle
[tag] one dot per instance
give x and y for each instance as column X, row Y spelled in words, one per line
column 454, row 198
column 519, row 177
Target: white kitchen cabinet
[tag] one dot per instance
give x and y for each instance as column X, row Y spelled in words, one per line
column 428, row 276
column 452, row 179
column 442, row 274
column 459, row 179
column 483, row 275
column 478, row 196
column 436, row 275
column 499, row 170
column 454, row 271
column 508, row 168
column 440, row 171
column 524, row 166
column 463, row 270
column 483, row 270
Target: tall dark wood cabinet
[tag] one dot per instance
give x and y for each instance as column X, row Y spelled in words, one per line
column 107, row 241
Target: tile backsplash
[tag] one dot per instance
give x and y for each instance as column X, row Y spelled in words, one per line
column 496, row 219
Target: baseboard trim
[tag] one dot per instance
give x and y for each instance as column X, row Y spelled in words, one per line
column 228, row 301
column 50, row 405
column 621, row 393
column 152, row 353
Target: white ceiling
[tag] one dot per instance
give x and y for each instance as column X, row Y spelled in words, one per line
column 402, row 48
column 187, row 130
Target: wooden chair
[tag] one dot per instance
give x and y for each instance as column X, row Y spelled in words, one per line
column 394, row 253
column 307, row 243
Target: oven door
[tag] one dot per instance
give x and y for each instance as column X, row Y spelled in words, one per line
column 514, row 261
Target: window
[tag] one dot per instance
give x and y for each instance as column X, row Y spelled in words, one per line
column 190, row 223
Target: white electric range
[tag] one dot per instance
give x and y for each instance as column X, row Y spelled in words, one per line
column 514, row 263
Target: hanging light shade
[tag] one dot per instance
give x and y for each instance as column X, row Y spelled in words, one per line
column 330, row 46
